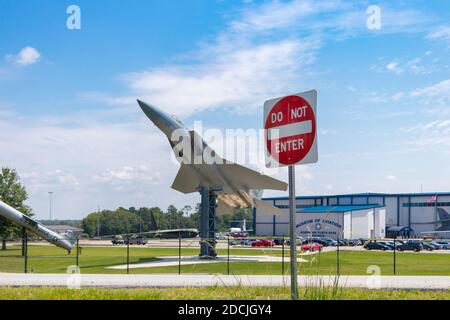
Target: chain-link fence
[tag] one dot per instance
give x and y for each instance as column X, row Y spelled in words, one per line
column 234, row 256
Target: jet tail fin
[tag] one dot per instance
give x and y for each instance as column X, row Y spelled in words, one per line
column 154, row 224
column 443, row 214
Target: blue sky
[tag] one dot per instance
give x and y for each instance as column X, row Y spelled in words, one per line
column 70, row 124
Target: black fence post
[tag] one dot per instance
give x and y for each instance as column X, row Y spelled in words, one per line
column 395, row 261
column 25, row 251
column 78, row 253
column 282, row 257
column 228, row 254
column 23, row 242
column 128, row 255
column 179, row 252
column 337, row 257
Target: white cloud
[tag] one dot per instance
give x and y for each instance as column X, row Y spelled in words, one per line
column 26, row 56
column 265, row 51
column 390, row 177
column 393, row 66
column 441, row 89
column 442, row 33
column 240, row 79
column 91, row 164
column 280, row 15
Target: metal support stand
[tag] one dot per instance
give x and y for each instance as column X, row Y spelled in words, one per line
column 293, row 240
column 208, row 223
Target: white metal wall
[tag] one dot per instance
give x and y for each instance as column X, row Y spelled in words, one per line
column 421, row 219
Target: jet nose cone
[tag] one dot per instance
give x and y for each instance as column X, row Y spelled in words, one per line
column 151, row 112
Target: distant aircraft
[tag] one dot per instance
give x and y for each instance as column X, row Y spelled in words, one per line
column 444, row 220
column 443, row 223
column 171, row 233
column 238, row 183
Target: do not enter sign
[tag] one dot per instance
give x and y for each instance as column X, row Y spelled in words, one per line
column 290, row 130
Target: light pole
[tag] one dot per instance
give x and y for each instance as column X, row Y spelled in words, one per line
column 50, row 194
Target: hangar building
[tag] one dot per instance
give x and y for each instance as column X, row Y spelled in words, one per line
column 361, row 215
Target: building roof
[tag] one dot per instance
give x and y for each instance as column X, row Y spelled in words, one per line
column 337, row 209
column 63, row 228
column 366, row 194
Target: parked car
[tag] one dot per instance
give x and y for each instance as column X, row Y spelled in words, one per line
column 313, row 246
column 428, row 246
column 374, row 245
column 362, row 241
column 439, row 246
column 137, row 240
column 239, row 234
column 324, row 241
column 263, row 243
column 278, row 241
column 299, row 241
column 445, row 244
column 241, row 241
column 352, row 242
column 412, row 245
column 389, row 244
column 221, row 236
column 117, row 240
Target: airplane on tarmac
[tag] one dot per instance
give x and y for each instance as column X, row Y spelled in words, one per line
column 239, row 185
column 443, row 223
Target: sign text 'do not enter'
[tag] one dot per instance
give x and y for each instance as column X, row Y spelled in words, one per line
column 290, row 130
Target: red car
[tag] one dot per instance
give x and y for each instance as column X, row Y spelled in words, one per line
column 239, row 235
column 263, row 243
column 312, row 247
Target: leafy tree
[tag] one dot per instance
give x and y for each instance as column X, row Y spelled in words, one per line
column 14, row 194
column 133, row 220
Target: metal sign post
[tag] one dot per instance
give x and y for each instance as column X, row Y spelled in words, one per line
column 293, row 242
column 290, row 138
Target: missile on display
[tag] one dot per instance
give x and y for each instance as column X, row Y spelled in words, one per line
column 34, row 226
column 238, row 184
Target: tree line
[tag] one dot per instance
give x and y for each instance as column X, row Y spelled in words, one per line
column 132, row 220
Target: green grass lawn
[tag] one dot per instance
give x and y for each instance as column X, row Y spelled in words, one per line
column 216, row 292
column 49, row 259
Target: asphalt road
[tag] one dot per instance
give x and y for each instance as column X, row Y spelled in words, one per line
column 190, row 280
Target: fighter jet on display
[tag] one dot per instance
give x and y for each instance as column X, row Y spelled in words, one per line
column 238, row 184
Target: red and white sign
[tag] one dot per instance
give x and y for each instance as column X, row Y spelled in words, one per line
column 290, row 130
